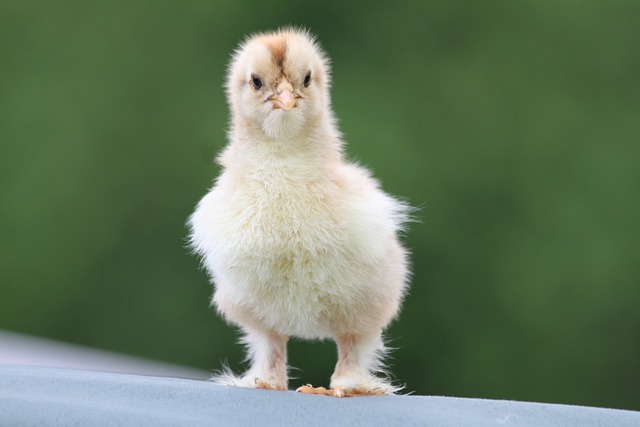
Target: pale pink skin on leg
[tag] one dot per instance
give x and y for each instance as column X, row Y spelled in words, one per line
column 270, row 367
column 351, row 371
column 357, row 356
column 268, row 355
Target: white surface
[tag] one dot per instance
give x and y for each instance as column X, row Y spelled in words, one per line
column 32, row 396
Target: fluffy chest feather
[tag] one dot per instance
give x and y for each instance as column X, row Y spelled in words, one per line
column 276, row 217
column 279, row 243
column 279, row 209
column 294, row 241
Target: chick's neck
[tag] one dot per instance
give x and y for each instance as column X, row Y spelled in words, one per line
column 318, row 144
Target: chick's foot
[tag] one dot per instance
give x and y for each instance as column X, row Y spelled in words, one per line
column 264, row 385
column 340, row 392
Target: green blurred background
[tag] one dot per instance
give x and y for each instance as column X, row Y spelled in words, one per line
column 514, row 126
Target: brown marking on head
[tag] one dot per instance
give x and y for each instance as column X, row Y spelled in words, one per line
column 277, row 45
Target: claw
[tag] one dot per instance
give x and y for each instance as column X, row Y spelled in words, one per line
column 338, row 392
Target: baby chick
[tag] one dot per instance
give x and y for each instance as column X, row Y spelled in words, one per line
column 298, row 242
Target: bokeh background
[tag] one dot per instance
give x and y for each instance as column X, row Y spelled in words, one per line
column 514, row 126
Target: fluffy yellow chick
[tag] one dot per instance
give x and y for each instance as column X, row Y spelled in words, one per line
column 298, row 241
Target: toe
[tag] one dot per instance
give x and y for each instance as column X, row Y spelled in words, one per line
column 341, row 392
column 361, row 391
column 309, row 389
column 264, row 385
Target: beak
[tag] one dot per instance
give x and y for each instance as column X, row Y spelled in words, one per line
column 285, row 100
column 284, row 97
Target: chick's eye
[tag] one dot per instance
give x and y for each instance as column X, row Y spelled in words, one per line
column 307, row 79
column 256, row 82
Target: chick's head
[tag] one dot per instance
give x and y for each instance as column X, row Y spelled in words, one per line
column 278, row 83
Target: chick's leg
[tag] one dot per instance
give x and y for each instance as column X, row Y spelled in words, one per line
column 358, row 357
column 267, row 352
